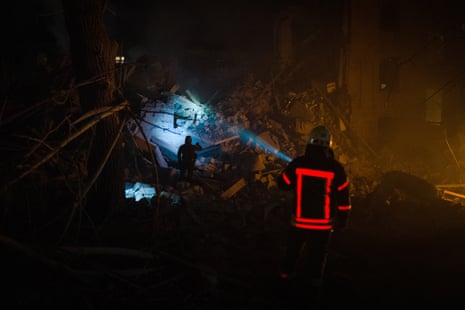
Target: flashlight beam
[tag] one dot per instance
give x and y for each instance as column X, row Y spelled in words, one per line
column 249, row 136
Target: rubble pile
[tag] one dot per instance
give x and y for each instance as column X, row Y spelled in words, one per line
column 217, row 239
column 249, row 134
column 232, row 218
column 282, row 117
column 246, row 131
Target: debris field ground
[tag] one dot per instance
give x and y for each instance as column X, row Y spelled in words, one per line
column 217, row 254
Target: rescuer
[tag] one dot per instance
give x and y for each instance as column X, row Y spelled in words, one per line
column 321, row 204
column 187, row 158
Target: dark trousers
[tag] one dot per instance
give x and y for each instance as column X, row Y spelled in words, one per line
column 186, row 169
column 306, row 253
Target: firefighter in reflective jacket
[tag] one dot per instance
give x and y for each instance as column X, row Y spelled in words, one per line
column 321, row 204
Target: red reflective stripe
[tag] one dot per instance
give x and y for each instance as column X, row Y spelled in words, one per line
column 340, row 188
column 344, row 208
column 314, row 221
column 299, row 195
column 313, row 173
column 286, row 179
column 315, row 227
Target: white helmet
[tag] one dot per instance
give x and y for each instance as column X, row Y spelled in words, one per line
column 320, row 136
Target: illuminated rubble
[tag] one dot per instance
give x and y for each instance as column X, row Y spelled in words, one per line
column 252, row 127
column 234, row 218
column 218, row 240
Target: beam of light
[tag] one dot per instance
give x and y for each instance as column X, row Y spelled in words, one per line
column 192, row 97
column 167, row 125
column 248, row 136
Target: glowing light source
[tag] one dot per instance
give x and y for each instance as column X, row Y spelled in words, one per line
column 248, row 136
column 166, row 124
column 119, row 59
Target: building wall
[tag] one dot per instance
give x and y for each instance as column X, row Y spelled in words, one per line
column 361, row 69
column 425, row 62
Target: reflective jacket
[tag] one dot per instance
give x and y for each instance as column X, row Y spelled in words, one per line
column 321, row 189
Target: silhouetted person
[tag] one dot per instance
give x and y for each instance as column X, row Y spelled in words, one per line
column 187, row 158
column 321, row 203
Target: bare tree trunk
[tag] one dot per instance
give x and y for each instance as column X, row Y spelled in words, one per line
column 93, row 55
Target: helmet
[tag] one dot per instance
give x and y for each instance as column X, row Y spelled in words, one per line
column 188, row 140
column 320, row 136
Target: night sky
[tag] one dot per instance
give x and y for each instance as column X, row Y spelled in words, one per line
column 193, row 35
column 167, row 27
column 161, row 27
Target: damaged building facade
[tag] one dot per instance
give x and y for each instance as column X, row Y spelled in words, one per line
column 390, row 95
column 405, row 83
column 364, row 70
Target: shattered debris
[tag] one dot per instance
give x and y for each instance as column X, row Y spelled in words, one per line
column 251, row 135
column 139, row 191
column 206, row 229
column 234, row 189
column 452, row 192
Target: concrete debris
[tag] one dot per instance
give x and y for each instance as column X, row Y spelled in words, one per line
column 249, row 136
column 231, row 191
column 452, row 192
column 453, row 196
column 175, row 199
column 139, row 191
